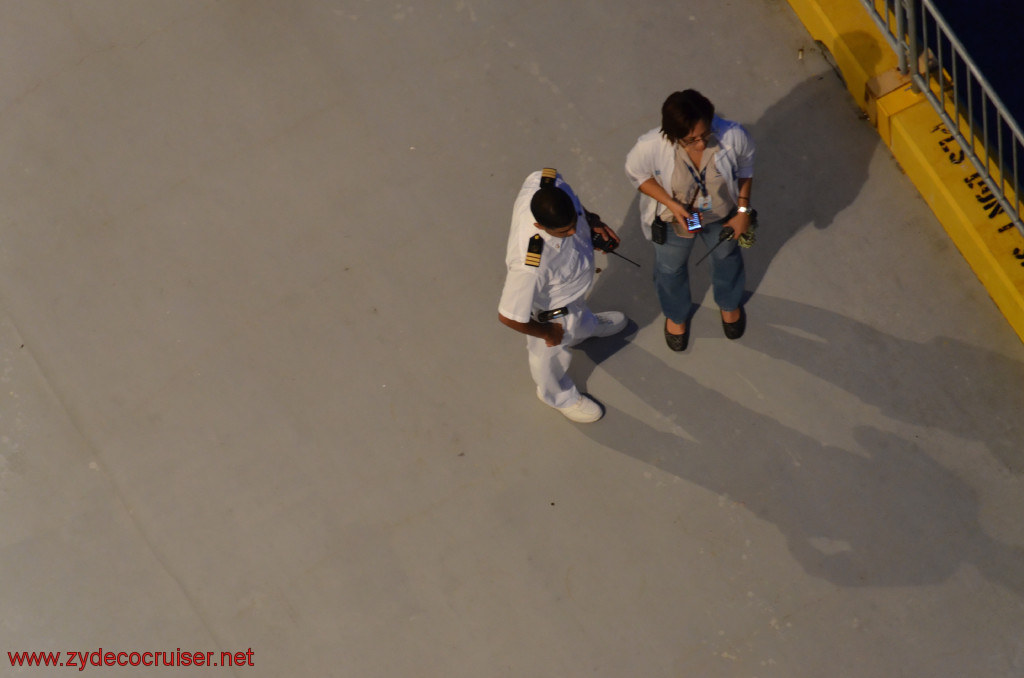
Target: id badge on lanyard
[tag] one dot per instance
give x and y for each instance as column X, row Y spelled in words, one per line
column 703, row 201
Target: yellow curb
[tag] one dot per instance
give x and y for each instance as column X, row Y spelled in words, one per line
column 914, row 133
column 950, row 185
column 852, row 39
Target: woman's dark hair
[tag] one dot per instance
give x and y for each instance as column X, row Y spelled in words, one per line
column 682, row 111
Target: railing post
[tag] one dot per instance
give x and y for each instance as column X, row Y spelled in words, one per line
column 919, row 58
column 901, row 32
column 910, row 31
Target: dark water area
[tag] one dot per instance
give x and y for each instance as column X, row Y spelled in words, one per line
column 992, row 32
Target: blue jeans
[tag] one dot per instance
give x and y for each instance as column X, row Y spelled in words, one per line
column 672, row 275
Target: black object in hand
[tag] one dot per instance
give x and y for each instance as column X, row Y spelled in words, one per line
column 602, row 243
column 726, row 233
column 607, row 245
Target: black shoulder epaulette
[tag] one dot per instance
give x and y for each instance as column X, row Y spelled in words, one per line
column 533, row 250
column 547, row 177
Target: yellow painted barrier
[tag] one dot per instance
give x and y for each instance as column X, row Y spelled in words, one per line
column 852, row 39
column 924, row 147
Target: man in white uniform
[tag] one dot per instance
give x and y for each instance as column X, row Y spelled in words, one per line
column 550, row 260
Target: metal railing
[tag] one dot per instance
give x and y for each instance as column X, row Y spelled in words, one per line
column 940, row 68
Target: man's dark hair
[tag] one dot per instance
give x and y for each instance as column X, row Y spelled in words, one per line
column 682, row 111
column 552, row 207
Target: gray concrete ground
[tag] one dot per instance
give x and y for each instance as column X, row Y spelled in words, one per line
column 255, row 394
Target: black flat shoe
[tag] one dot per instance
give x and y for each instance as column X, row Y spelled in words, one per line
column 677, row 342
column 735, row 330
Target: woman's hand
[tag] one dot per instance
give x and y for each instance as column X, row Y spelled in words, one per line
column 740, row 224
column 653, row 189
column 678, row 211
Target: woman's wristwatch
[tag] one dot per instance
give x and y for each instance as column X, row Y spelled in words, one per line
column 745, row 210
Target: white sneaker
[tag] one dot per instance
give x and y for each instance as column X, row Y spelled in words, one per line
column 584, row 411
column 609, row 323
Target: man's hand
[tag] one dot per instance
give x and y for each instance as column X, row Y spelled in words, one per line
column 551, row 333
column 605, row 232
column 554, row 335
column 602, row 229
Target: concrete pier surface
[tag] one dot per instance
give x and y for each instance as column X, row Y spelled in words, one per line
column 256, row 398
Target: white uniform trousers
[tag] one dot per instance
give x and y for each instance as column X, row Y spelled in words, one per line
column 549, row 364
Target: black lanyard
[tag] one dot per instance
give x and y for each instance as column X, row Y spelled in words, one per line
column 699, row 179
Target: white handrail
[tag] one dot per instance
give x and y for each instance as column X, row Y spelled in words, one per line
column 914, row 20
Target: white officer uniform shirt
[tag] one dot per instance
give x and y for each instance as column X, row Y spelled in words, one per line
column 566, row 268
column 562, row 277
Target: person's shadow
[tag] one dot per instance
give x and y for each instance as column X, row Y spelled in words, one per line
column 885, row 514
column 941, row 383
column 807, row 168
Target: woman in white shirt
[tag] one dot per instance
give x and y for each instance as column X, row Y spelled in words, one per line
column 696, row 174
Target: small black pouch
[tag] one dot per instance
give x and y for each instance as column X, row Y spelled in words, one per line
column 659, row 231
